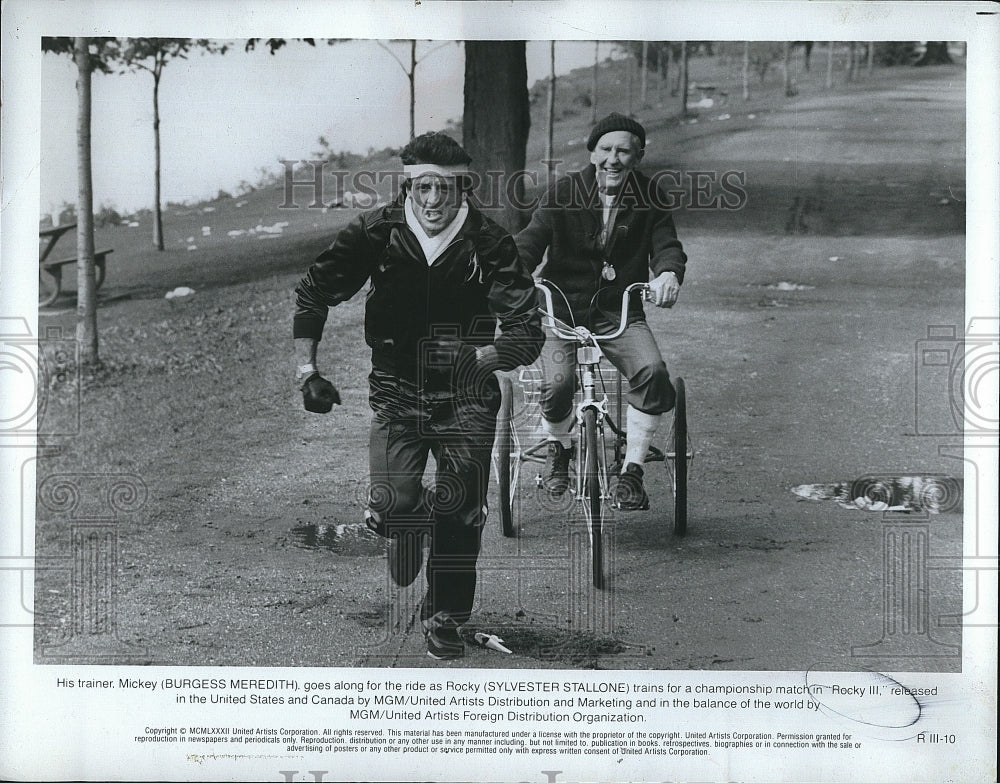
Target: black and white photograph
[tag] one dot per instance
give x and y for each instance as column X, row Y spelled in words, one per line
column 419, row 384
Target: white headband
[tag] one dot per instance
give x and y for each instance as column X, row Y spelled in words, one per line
column 414, row 170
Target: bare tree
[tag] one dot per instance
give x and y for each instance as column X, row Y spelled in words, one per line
column 746, row 70
column 652, row 57
column 807, row 47
column 89, row 54
column 593, row 83
column 664, row 65
column 86, row 281
column 549, row 154
column 684, row 78
column 628, row 81
column 152, row 55
column 410, row 70
column 758, row 57
column 786, row 69
column 762, row 55
column 643, row 83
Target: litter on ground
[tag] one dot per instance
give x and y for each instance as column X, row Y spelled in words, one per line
column 491, row 642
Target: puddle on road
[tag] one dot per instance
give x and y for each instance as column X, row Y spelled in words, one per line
column 785, row 285
column 934, row 494
column 344, row 539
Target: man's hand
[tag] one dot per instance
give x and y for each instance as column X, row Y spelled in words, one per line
column 447, row 352
column 462, row 356
column 663, row 290
column 471, row 366
column 318, row 394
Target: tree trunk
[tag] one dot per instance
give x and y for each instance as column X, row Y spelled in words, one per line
column 643, row 82
column 593, row 84
column 786, row 68
column 683, row 87
column 412, row 75
column 495, row 124
column 664, row 72
column 850, row 62
column 157, row 211
column 935, row 54
column 86, row 283
column 871, row 56
column 550, row 163
column 628, row 83
column 829, row 64
column 746, row 70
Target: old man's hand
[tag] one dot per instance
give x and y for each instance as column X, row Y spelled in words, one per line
column 663, row 289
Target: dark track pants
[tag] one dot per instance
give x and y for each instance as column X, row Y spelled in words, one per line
column 458, row 431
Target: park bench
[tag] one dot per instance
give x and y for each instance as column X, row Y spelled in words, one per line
column 50, row 272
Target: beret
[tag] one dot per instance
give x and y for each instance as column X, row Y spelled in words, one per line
column 616, row 122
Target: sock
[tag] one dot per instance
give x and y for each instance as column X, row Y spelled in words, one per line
column 641, row 430
column 558, row 431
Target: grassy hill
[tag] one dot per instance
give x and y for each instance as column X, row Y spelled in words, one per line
column 788, row 185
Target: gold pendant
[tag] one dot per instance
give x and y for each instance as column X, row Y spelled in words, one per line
column 608, row 272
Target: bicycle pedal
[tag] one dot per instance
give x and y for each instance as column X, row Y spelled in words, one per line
column 620, row 505
column 654, row 455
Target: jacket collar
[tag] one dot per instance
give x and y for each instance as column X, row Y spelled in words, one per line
column 434, row 246
column 395, row 214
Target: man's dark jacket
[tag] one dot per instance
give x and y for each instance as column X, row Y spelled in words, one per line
column 568, row 223
column 478, row 280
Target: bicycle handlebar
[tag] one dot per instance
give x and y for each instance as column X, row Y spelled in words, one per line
column 581, row 333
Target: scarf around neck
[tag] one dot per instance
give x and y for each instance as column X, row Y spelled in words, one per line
column 434, row 246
